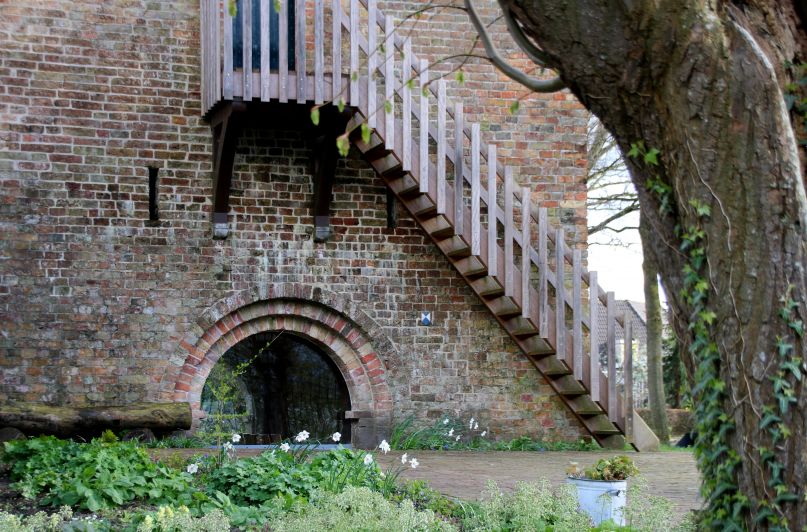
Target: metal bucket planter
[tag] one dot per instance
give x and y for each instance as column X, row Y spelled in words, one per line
column 601, row 499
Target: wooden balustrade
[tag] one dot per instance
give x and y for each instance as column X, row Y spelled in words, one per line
column 372, row 85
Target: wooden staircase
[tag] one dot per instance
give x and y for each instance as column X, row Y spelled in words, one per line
column 532, row 282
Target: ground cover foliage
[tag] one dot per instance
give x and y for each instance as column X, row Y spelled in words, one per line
column 107, row 485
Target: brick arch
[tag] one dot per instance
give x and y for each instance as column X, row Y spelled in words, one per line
column 352, row 339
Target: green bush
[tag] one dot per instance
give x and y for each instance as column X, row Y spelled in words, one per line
column 62, row 521
column 169, row 519
column 426, row 498
column 530, row 507
column 359, row 509
column 92, row 476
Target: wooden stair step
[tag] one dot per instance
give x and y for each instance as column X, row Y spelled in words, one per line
column 405, row 186
column 438, row 227
column 388, row 166
column 584, row 406
column 487, row 287
column 455, row 247
column 552, row 367
column 568, row 386
column 520, row 327
column 504, row 306
column 377, row 150
column 421, row 206
column 536, row 347
column 470, row 266
column 601, row 425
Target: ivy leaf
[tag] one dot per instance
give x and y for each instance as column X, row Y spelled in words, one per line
column 365, row 133
column 342, row 144
column 708, row 316
column 651, row 157
column 635, row 149
column 315, row 115
column 514, row 107
column 797, row 326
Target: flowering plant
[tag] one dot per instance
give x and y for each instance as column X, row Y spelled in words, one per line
column 616, row 468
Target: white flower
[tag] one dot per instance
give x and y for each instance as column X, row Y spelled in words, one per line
column 227, row 446
column 457, row 438
column 471, row 423
column 476, row 426
column 302, row 436
column 384, row 446
column 483, row 433
column 451, row 433
column 236, row 438
column 285, row 447
column 445, row 421
column 404, row 457
column 193, row 468
column 414, row 463
column 336, row 436
column 368, row 459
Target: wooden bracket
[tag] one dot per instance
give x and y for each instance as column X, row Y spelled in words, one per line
column 324, row 158
column 226, row 125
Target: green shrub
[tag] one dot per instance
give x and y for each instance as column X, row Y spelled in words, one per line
column 92, row 475
column 530, row 507
column 425, row 498
column 169, row 519
column 62, row 521
column 359, row 509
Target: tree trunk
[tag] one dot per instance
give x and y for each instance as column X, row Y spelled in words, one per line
column 36, row 418
column 655, row 367
column 703, row 83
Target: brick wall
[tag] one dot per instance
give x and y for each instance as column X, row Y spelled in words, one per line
column 95, row 300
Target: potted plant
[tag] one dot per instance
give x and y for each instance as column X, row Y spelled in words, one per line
column 601, row 489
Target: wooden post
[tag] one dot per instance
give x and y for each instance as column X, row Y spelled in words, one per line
column 577, row 313
column 493, row 246
column 406, row 103
column 459, row 156
column 627, row 403
column 389, row 84
column 336, row 51
column 283, row 50
column 543, row 277
column 526, row 263
column 372, row 57
column 299, row 49
column 610, row 347
column 441, row 146
column 476, row 192
column 228, row 56
column 265, row 53
column 424, row 127
column 594, row 323
column 319, row 52
column 246, row 49
column 508, row 231
column 560, row 294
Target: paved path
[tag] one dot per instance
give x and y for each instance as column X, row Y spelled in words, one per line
column 463, row 474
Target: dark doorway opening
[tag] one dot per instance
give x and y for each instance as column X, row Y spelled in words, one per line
column 277, row 385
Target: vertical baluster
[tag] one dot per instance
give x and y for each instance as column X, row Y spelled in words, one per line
column 441, row 146
column 543, row 274
column 228, row 56
column 336, row 51
column 493, row 246
column 526, row 263
column 627, row 402
column 354, row 52
column 389, row 84
column 577, row 313
column 424, row 127
column 406, row 102
column 246, row 49
column 319, row 52
column 610, row 348
column 372, row 58
column 476, row 192
column 459, row 161
column 283, row 50
column 204, row 13
column 217, row 57
column 265, row 40
column 560, row 294
column 300, row 17
column 508, row 231
column 594, row 329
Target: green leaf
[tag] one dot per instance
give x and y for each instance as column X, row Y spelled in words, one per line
column 460, row 77
column 277, row 6
column 343, row 145
column 387, row 106
column 651, row 157
column 354, row 76
column 410, row 84
column 514, row 107
column 315, row 116
column 232, row 7
column 635, row 149
column 340, row 104
column 365, row 133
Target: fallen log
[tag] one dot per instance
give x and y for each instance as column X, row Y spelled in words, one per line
column 37, row 418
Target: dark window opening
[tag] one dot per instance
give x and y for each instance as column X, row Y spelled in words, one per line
column 154, row 210
column 274, row 48
column 285, row 386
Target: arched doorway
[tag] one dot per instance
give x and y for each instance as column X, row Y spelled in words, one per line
column 276, row 385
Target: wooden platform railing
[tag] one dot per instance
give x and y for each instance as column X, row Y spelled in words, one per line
column 369, row 65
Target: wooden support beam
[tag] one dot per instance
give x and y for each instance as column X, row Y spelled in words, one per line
column 324, row 159
column 226, row 124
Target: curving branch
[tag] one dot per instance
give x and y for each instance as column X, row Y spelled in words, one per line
column 537, row 55
column 534, row 84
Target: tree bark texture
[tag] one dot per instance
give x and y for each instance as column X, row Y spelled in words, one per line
column 655, row 367
column 36, row 418
column 703, row 82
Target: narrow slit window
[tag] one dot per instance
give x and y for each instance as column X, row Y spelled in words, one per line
column 154, row 210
